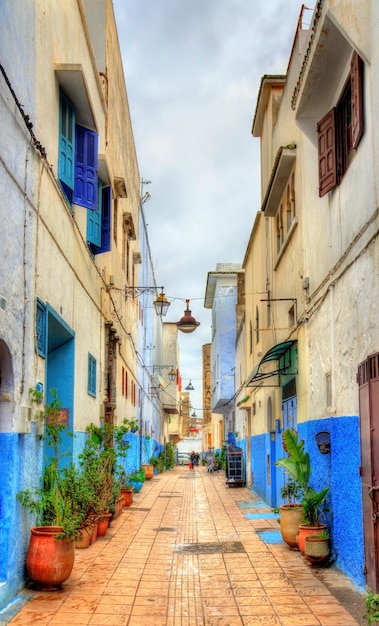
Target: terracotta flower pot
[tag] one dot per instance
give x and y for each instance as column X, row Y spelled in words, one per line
column 85, row 538
column 149, row 471
column 102, row 524
column 119, row 505
column 127, row 494
column 93, row 534
column 290, row 518
column 305, row 531
column 316, row 549
column 49, row 561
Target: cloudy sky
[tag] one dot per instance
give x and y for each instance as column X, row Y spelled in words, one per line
column 193, row 70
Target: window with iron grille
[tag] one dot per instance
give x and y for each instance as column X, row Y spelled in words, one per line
column 91, row 389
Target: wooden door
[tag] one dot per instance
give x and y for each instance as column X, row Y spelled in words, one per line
column 368, row 381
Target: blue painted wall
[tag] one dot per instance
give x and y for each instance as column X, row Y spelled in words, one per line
column 338, row 470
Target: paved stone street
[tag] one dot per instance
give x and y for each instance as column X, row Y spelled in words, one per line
column 191, row 551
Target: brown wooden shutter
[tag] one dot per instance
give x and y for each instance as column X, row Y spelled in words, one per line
column 327, row 153
column 356, row 78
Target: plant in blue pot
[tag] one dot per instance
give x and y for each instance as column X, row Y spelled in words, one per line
column 136, row 479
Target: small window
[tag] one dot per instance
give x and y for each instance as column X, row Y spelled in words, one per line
column 340, row 130
column 41, row 328
column 91, row 375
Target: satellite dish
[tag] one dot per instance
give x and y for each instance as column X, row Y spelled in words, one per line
column 162, row 382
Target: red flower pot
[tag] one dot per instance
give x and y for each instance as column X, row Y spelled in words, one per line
column 49, row 561
column 103, row 523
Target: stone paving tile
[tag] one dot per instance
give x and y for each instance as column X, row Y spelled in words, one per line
column 143, row 572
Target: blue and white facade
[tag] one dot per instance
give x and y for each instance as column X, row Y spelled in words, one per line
column 70, row 243
column 311, row 275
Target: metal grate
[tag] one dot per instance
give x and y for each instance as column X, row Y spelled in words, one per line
column 210, row 548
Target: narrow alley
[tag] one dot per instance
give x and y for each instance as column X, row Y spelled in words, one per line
column 191, row 551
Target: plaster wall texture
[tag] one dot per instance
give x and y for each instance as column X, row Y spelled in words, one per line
column 43, row 241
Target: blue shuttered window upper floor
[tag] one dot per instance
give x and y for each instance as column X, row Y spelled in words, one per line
column 78, row 176
column 85, row 190
column 66, row 145
column 99, row 222
column 78, row 158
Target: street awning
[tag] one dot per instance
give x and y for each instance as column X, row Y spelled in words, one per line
column 283, row 365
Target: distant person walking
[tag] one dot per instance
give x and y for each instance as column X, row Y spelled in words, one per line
column 210, row 459
column 194, row 459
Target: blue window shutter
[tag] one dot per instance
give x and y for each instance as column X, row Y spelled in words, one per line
column 85, row 191
column 106, row 220
column 104, row 231
column 94, row 220
column 66, row 142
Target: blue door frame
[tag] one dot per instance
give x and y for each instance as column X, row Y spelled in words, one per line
column 60, row 368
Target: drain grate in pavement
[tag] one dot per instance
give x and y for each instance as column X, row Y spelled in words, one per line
column 165, row 529
column 210, row 548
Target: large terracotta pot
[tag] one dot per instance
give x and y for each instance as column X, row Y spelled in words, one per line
column 49, row 561
column 149, row 471
column 290, row 518
column 306, row 531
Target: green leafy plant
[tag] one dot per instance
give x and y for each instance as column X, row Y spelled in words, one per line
column 297, row 464
column 311, row 504
column 291, row 492
column 61, row 499
column 372, row 606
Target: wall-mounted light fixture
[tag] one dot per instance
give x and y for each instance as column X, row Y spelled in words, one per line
column 161, row 303
column 187, row 324
column 171, row 374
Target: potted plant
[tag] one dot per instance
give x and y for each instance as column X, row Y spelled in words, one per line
column 127, row 490
column 297, row 467
column 148, row 467
column 60, row 504
column 311, row 524
column 156, row 463
column 135, row 479
column 316, row 548
column 291, row 513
